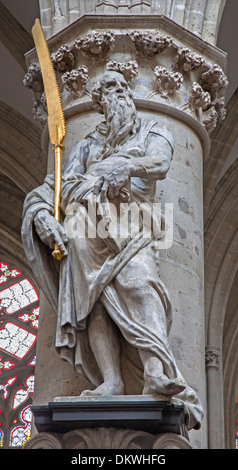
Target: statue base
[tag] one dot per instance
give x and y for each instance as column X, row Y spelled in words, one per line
column 116, row 422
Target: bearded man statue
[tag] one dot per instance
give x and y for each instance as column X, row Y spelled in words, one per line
column 113, row 311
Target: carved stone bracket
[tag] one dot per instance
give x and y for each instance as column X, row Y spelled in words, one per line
column 107, row 438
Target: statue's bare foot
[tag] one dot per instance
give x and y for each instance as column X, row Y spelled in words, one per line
column 105, row 389
column 163, row 386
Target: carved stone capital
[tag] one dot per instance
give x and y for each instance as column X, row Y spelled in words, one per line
column 212, row 357
column 107, row 438
column 162, row 69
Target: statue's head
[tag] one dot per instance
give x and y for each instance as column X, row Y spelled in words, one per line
column 112, row 85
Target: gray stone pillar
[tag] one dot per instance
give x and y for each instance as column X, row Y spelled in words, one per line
column 178, row 80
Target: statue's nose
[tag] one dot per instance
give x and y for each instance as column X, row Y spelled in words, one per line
column 119, row 89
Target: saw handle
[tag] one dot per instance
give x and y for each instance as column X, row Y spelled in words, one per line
column 58, row 149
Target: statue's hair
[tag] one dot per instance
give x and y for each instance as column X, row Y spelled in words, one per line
column 97, row 89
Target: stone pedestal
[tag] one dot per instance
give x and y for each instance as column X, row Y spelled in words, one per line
column 176, row 79
column 122, row 422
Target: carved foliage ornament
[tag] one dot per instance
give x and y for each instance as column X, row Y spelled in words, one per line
column 199, row 98
column 204, row 94
column 187, row 60
column 76, row 80
column 33, row 78
column 167, row 81
column 149, row 44
column 96, row 45
column 214, row 80
column 63, row 59
column 128, row 69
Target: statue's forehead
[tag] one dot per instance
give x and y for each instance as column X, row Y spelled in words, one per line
column 108, row 77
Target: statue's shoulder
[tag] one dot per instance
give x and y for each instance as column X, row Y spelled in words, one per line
column 154, row 127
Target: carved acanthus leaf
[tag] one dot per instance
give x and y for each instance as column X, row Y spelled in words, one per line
column 148, row 44
column 128, row 69
column 76, row 80
column 187, row 60
column 63, row 59
column 167, row 81
column 96, row 45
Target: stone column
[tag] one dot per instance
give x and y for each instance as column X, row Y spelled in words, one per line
column 178, row 80
column 214, row 396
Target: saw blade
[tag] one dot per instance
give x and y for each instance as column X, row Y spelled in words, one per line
column 56, row 120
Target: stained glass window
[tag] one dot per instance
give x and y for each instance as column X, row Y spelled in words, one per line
column 19, row 313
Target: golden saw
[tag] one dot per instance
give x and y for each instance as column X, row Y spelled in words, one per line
column 56, row 120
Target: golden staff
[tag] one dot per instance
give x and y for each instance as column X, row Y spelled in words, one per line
column 56, row 121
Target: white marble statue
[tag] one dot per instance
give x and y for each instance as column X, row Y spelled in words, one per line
column 114, row 313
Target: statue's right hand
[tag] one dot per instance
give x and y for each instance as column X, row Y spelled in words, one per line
column 50, row 231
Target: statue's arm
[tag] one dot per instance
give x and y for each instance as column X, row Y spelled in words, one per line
column 153, row 166
column 47, row 228
column 156, row 163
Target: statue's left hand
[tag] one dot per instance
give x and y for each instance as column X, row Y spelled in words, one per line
column 113, row 181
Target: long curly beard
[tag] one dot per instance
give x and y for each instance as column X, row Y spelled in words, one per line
column 121, row 121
